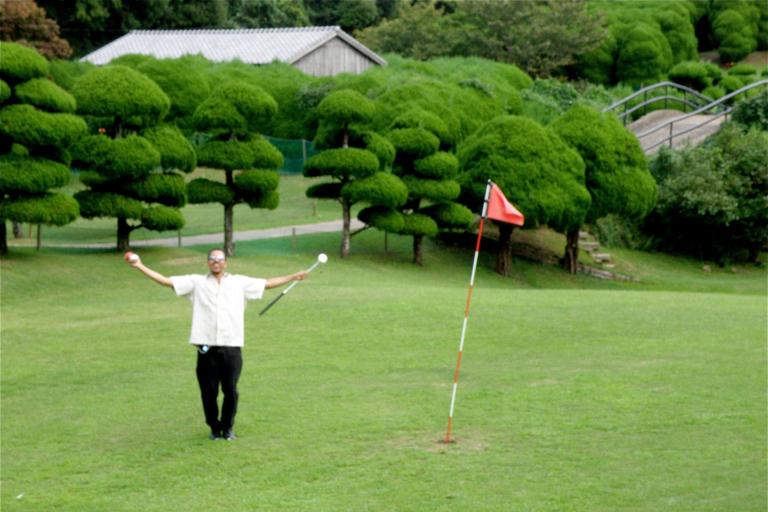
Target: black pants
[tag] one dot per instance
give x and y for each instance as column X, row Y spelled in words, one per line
column 219, row 365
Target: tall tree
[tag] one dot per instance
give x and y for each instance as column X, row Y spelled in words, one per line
column 23, row 22
column 270, row 14
column 617, row 174
column 539, row 37
column 537, row 171
column 428, row 173
column 233, row 115
column 356, row 160
column 126, row 171
column 36, row 127
column 350, row 15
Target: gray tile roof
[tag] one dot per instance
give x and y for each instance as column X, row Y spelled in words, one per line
column 252, row 46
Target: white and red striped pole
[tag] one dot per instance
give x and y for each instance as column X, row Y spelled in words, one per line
column 466, row 311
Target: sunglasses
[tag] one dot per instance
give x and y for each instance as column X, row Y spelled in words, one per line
column 217, row 258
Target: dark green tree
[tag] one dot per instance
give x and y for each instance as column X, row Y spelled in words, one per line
column 356, row 160
column 36, row 128
column 233, row 115
column 269, row 14
column 130, row 173
column 429, row 175
column 713, row 198
column 537, row 171
column 350, row 15
column 617, row 174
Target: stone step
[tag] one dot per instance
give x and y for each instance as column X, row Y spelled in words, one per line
column 589, row 246
column 602, row 258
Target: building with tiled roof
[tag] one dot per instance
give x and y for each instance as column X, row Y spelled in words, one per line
column 317, row 51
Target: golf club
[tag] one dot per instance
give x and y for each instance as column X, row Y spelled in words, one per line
column 321, row 258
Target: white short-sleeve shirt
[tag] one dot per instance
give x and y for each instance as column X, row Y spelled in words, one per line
column 218, row 308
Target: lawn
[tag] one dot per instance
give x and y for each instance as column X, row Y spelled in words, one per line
column 575, row 394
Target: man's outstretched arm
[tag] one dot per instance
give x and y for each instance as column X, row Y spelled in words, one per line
column 279, row 281
column 155, row 276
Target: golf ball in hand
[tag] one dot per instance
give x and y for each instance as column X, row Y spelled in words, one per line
column 131, row 257
column 322, row 258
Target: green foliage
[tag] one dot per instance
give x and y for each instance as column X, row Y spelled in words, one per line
column 381, row 189
column 432, row 190
column 348, row 14
column 713, row 198
column 617, row 175
column 420, row 118
column 450, row 215
column 20, row 63
column 342, row 164
column 235, row 106
column 5, row 91
column 271, row 14
column 46, row 95
column 176, row 152
column 742, row 70
column 735, row 26
column 226, row 154
column 66, row 72
column 535, row 168
column 95, row 204
column 439, row 166
column 562, row 93
column 181, row 79
column 731, row 84
column 131, row 60
column 120, row 92
column 413, row 143
column 690, row 74
column 31, row 127
column 383, row 218
column 167, row 189
column 753, row 111
column 265, row 155
column 714, row 92
column 644, row 56
column 269, row 201
column 257, row 182
column 201, row 190
column 345, row 107
column 379, row 146
column 540, row 108
column 162, row 218
column 418, row 224
column 29, row 176
column 48, row 209
column 129, row 158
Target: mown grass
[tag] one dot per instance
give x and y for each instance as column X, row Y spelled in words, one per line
column 575, row 394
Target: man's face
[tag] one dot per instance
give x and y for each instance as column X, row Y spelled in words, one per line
column 217, row 262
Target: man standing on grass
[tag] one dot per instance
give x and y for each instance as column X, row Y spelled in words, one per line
column 218, row 308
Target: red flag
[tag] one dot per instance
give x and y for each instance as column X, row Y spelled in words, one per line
column 501, row 209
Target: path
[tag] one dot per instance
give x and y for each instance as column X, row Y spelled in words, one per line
column 218, row 238
column 659, row 117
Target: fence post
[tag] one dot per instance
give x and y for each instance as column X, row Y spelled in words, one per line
column 670, row 134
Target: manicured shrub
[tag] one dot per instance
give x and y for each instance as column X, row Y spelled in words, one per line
column 440, row 165
column 381, row 217
column 165, row 188
column 181, row 80
column 450, row 215
column 162, row 218
column 95, row 204
column 176, row 152
column 413, row 143
column 714, row 92
column 49, row 209
column 5, row 91
column 381, row 188
column 342, row 163
column 45, row 95
column 418, row 224
column 690, row 74
column 731, row 84
column 20, row 63
column 25, row 175
column 256, row 181
column 742, row 70
column 201, row 190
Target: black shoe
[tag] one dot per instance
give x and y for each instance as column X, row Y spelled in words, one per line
column 215, row 434
column 228, row 435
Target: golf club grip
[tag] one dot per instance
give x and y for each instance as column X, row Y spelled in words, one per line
column 271, row 304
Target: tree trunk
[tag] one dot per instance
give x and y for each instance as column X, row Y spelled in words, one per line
column 17, row 231
column 123, row 235
column 572, row 251
column 229, row 243
column 346, row 206
column 504, row 250
column 39, row 237
column 229, row 211
column 3, row 241
column 418, row 255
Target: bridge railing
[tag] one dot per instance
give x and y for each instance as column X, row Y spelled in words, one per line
column 715, row 104
column 666, row 98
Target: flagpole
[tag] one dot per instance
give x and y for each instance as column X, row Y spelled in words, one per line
column 466, row 311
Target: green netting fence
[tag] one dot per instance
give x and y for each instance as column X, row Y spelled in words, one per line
column 295, row 151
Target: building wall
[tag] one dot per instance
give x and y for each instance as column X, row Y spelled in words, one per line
column 332, row 58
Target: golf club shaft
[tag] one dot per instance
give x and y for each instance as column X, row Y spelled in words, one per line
column 286, row 290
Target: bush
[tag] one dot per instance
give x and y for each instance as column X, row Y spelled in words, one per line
column 714, row 92
column 439, row 166
column 226, row 154
column 132, row 157
column 176, row 152
column 419, row 224
column 450, row 215
column 235, row 106
column 45, row 95
column 181, row 80
column 162, row 218
column 381, row 189
column 5, row 91
column 413, row 143
column 541, row 109
column 742, row 70
column 383, row 218
column 257, row 181
column 50, row 209
column 342, row 163
column 31, row 127
column 105, row 204
column 753, row 111
column 30, row 176
column 731, row 84
column 20, row 63
column 432, row 190
column 690, row 74
column 167, row 188
column 201, row 190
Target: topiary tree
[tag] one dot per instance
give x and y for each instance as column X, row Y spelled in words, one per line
column 429, row 175
column 535, row 169
column 232, row 115
column 617, row 174
column 691, row 74
column 356, row 160
column 130, row 173
column 36, row 128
